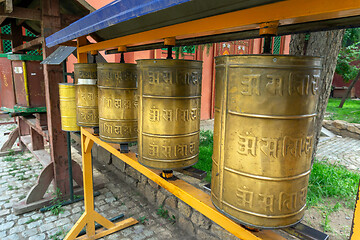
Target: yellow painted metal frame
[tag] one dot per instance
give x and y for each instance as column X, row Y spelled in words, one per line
column 90, row 216
column 355, row 229
column 194, row 197
column 286, row 12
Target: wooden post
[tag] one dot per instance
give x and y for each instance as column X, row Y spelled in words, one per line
column 51, row 22
column 1, row 43
column 16, row 33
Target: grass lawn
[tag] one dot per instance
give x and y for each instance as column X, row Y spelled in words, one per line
column 205, row 153
column 350, row 112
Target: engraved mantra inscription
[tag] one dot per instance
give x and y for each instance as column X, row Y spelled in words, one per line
column 119, row 103
column 116, row 129
column 179, row 150
column 174, row 115
column 119, row 76
column 271, row 202
column 273, row 147
column 276, row 85
column 88, row 117
column 87, row 96
column 87, row 74
column 173, row 77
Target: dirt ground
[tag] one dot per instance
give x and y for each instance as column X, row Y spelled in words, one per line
column 337, row 224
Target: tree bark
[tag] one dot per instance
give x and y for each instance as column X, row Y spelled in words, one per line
column 352, row 84
column 327, row 45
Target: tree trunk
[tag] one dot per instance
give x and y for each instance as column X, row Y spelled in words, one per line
column 352, row 84
column 326, row 44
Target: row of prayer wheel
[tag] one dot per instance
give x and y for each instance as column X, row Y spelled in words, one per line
column 265, row 109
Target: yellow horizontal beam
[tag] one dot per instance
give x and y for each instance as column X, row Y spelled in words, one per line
column 194, row 197
column 286, row 12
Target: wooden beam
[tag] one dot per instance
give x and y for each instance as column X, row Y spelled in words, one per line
column 51, row 23
column 2, row 19
column 9, row 37
column 69, row 44
column 16, row 32
column 29, row 45
column 21, row 13
column 66, row 19
column 96, row 37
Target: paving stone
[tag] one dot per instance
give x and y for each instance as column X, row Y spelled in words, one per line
column 46, row 227
column 62, row 222
column 23, row 220
column 30, row 232
column 34, row 224
column 6, row 225
column 17, row 229
column 4, row 212
column 41, row 236
column 13, row 237
column 2, row 234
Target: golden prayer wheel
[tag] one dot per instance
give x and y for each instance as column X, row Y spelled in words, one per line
column 117, row 102
column 169, row 112
column 86, row 94
column 68, row 107
column 265, row 109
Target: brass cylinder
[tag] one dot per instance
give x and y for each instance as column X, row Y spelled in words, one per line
column 68, row 107
column 169, row 112
column 117, row 88
column 265, row 109
column 86, row 94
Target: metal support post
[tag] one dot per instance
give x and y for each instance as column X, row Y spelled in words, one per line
column 90, row 216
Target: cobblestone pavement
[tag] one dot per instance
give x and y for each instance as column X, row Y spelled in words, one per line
column 341, row 150
column 19, row 172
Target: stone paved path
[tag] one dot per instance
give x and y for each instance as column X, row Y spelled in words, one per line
column 344, row 151
column 19, row 172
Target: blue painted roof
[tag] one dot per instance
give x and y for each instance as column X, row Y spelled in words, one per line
column 113, row 13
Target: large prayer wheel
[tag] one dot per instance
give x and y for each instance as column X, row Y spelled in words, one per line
column 68, row 107
column 117, row 102
column 265, row 109
column 169, row 112
column 86, row 94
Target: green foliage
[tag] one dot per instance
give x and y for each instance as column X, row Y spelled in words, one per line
column 165, row 214
column 205, row 153
column 12, row 188
column 57, row 235
column 32, row 220
column 351, row 36
column 26, row 159
column 22, row 197
column 22, row 178
column 206, row 46
column 332, row 181
column 11, row 152
column 349, row 53
column 142, row 220
column 162, row 212
column 346, row 57
column 9, row 159
column 179, row 51
column 56, row 202
column 350, row 112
